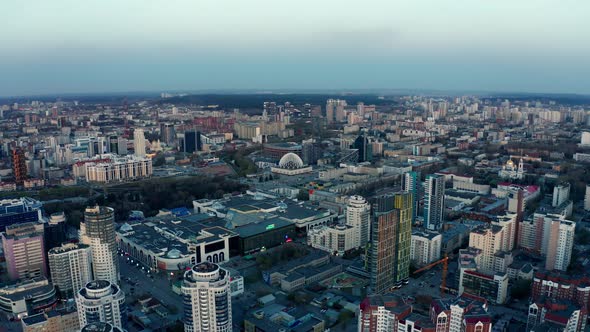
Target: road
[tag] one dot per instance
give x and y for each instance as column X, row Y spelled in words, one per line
column 159, row 287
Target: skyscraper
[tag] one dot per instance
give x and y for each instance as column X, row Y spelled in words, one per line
column 363, row 145
column 391, row 238
column 410, row 183
column 70, row 268
column 358, row 213
column 139, row 142
column 19, row 166
column 24, row 251
column 192, row 141
column 101, row 301
column 168, row 133
column 207, row 299
column 434, row 201
column 98, row 231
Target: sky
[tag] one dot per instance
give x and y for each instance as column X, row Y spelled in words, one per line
column 95, row 46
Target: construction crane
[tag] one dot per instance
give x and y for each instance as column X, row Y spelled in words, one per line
column 445, row 263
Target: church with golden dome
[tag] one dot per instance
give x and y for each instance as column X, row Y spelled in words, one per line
column 511, row 171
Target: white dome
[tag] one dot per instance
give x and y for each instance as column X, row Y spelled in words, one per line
column 291, row 161
column 174, row 253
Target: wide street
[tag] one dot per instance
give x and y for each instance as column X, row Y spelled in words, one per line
column 159, row 287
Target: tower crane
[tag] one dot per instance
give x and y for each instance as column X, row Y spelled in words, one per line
column 445, row 263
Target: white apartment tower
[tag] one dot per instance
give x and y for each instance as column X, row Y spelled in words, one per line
column 139, row 142
column 70, row 267
column 207, row 299
column 358, row 215
column 101, row 301
column 98, row 232
column 560, row 244
column 426, row 247
column 561, row 193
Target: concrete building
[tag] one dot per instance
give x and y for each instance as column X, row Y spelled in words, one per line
column 426, row 247
column 587, row 198
column 27, row 297
column 391, row 238
column 70, row 266
column 98, row 232
column 24, row 251
column 207, row 299
column 561, row 194
column 465, row 313
column 52, row 321
column 434, row 201
column 101, row 301
column 411, row 184
column 382, row 313
column 336, row 239
column 358, row 213
column 100, row 327
column 113, row 168
column 560, row 244
column 139, row 142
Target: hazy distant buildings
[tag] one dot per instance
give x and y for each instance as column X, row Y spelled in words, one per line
column 19, row 166
column 113, row 168
column 139, row 142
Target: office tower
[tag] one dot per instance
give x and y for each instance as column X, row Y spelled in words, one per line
column 207, row 299
column 19, row 166
column 70, row 268
column 365, row 148
column 101, row 301
column 410, row 184
column 98, row 231
column 561, row 194
column 24, row 251
column 587, row 198
column 192, row 141
column 434, row 201
column 167, row 133
column 19, row 210
column 391, row 239
column 139, row 142
column 55, row 231
column 358, row 212
column 560, row 244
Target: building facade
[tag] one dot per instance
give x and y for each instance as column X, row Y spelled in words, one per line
column 24, row 250
column 391, row 237
column 101, row 301
column 336, row 239
column 112, row 168
column 98, row 232
column 207, row 299
column 434, row 201
column 426, row 247
column 358, row 212
column 19, row 210
column 139, row 142
column 70, row 266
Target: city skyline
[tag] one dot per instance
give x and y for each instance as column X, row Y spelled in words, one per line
column 532, row 46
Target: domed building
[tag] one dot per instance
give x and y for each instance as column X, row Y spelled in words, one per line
column 291, row 164
column 512, row 171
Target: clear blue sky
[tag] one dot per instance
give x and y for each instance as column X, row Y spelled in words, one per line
column 75, row 46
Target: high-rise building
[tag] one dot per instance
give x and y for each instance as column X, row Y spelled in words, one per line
column 434, row 201
column 410, row 183
column 358, row 212
column 364, row 147
column 139, row 142
column 101, row 301
column 19, row 166
column 55, row 230
column 207, row 299
column 426, row 247
column 168, row 133
column 70, row 266
column 24, row 251
column 98, row 231
column 560, row 244
column 192, row 141
column 20, row 210
column 587, row 198
column 391, row 239
column 561, row 194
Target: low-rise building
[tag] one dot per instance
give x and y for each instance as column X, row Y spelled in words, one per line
column 335, row 239
column 27, row 297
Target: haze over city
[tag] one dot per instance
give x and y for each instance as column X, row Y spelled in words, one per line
column 61, row 46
